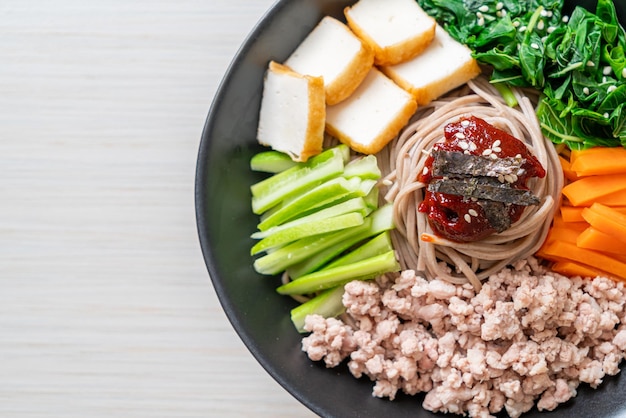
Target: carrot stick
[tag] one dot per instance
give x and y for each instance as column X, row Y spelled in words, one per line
column 593, row 239
column 567, row 169
column 571, row 268
column 589, row 189
column 574, row 154
column 575, row 214
column 559, row 222
column 614, row 199
column 563, row 234
column 607, row 220
column 572, row 214
column 561, row 250
column 599, row 161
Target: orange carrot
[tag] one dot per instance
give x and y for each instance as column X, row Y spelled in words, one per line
column 593, row 239
column 561, row 250
column 586, row 190
column 567, row 170
column 607, row 220
column 574, row 154
column 571, row 268
column 572, row 214
column 563, row 234
column 559, row 222
column 599, row 161
column 614, row 199
column 575, row 214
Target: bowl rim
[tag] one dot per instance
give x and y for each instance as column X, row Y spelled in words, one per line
column 201, row 225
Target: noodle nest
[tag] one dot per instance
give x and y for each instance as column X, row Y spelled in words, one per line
column 403, row 160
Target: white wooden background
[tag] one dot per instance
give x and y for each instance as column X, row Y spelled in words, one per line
column 106, row 308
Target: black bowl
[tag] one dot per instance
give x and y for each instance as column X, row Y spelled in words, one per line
column 225, row 221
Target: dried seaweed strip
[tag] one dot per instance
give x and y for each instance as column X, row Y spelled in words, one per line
column 449, row 163
column 484, row 188
column 497, row 213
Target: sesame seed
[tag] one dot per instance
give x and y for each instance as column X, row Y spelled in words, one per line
column 481, row 21
column 534, row 45
column 496, row 143
column 544, row 13
column 549, row 13
column 586, row 90
column 387, row 182
column 499, row 13
column 606, row 115
column 611, row 89
column 518, row 156
column 484, row 8
column 467, row 218
column 607, row 70
column 474, row 199
column 565, row 19
column 472, row 146
column 541, row 25
column 514, row 177
column 465, row 123
column 425, row 171
column 624, row 73
column 479, row 15
column 501, row 178
column 516, row 23
column 466, row 152
column 487, row 152
column 473, row 212
column 493, row 156
column 464, row 145
column 590, row 64
column 522, row 28
column 496, row 149
column 551, row 29
column 604, row 79
column 460, row 135
column 508, row 178
column 499, row 6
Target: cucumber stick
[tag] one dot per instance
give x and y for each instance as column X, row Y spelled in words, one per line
column 281, row 259
column 269, row 192
column 328, row 278
column 326, row 193
column 308, row 229
column 327, row 304
column 358, row 204
column 320, row 222
column 271, row 162
column 365, row 168
column 378, row 245
column 379, row 221
column 310, row 253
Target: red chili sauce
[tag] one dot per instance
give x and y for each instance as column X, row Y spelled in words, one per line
column 448, row 214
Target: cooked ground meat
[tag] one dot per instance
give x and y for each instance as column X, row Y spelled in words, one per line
column 529, row 336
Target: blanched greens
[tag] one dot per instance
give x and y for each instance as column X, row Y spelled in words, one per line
column 577, row 63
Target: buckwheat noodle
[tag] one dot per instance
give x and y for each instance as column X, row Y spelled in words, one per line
column 403, row 159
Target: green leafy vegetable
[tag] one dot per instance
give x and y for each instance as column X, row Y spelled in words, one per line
column 577, row 63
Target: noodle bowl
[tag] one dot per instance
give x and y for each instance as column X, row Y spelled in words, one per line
column 403, row 160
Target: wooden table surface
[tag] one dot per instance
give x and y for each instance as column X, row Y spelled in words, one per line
column 106, row 307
